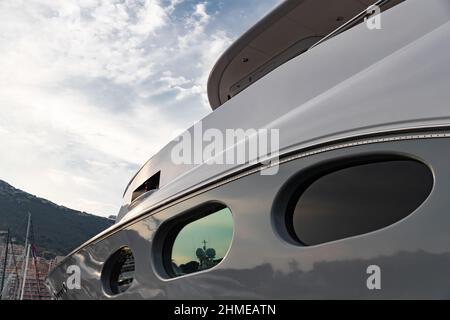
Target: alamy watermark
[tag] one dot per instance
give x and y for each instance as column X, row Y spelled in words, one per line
column 374, row 280
column 373, row 18
column 73, row 281
column 228, row 147
column 74, row 278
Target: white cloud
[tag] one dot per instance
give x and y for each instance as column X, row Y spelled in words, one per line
column 90, row 89
column 173, row 4
column 195, row 25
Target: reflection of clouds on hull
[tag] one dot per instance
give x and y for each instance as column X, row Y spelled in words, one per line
column 401, row 277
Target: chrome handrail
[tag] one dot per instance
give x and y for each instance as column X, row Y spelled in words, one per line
column 344, row 27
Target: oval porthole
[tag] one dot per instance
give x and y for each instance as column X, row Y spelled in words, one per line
column 347, row 199
column 198, row 241
column 118, row 271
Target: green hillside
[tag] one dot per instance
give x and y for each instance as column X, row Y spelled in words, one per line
column 57, row 229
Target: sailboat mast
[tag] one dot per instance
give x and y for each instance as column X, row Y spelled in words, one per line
column 25, row 272
column 5, row 265
column 25, row 258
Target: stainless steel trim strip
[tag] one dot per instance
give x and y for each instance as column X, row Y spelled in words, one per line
column 331, row 145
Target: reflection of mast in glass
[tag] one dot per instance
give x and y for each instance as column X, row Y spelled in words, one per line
column 206, row 256
column 195, row 250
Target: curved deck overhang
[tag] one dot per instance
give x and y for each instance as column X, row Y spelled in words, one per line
column 289, row 30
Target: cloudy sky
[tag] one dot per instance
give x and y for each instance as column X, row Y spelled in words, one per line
column 90, row 89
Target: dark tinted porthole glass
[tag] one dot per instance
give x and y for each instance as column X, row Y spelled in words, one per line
column 356, row 200
column 118, row 272
column 201, row 244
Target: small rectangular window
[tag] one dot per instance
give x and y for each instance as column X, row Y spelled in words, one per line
column 150, row 184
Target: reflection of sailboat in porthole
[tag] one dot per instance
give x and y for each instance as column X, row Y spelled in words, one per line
column 206, row 256
column 206, row 259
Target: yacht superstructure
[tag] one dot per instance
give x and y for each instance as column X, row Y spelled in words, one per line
column 357, row 186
